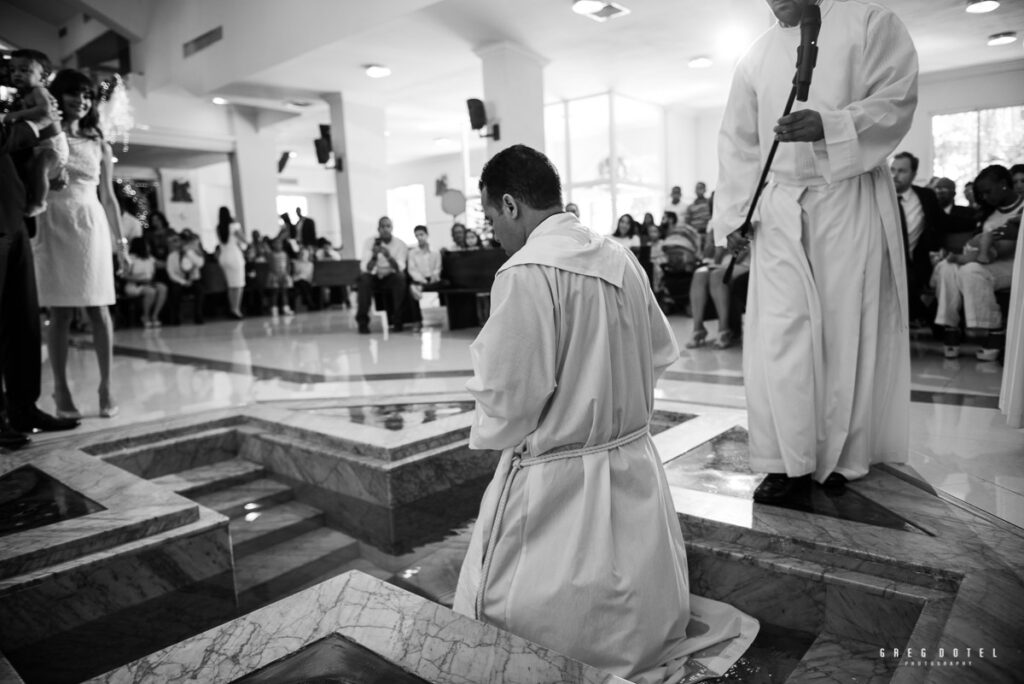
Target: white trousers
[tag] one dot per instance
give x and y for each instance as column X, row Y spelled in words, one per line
column 973, row 287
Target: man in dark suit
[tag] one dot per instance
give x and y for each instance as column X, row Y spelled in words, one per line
column 922, row 223
column 960, row 222
column 20, row 356
column 306, row 229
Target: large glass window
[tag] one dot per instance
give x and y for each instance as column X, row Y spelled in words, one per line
column 967, row 142
column 407, row 208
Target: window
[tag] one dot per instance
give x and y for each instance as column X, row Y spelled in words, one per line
column 287, row 204
column 407, row 208
column 967, row 142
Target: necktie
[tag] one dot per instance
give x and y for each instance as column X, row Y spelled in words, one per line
column 903, row 227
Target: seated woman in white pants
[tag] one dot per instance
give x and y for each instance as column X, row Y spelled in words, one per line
column 971, row 279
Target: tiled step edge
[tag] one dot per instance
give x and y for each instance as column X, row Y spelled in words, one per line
column 246, row 498
column 259, row 530
column 210, row 478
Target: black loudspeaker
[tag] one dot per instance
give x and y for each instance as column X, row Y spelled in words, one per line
column 477, row 114
column 283, row 161
column 323, row 150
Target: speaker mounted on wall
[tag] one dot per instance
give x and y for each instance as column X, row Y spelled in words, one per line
column 478, row 119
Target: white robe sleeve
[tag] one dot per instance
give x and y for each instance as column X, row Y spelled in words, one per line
column 513, row 360
column 739, row 157
column 861, row 136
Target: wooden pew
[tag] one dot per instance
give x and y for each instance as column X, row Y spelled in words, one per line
column 465, row 276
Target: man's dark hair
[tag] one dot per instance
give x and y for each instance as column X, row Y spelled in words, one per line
column 1016, row 168
column 423, row 228
column 995, row 172
column 71, row 81
column 523, row 173
column 914, row 161
column 36, row 56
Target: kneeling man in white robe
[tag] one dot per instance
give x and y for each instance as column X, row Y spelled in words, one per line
column 577, row 546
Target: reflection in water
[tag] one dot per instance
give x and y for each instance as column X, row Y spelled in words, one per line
column 397, row 416
column 30, row 498
column 331, row 660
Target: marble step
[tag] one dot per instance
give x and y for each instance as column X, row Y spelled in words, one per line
column 835, row 659
column 285, row 568
column 259, row 530
column 210, row 478
column 246, row 498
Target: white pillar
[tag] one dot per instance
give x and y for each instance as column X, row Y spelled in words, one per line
column 514, row 94
column 253, row 173
column 360, row 146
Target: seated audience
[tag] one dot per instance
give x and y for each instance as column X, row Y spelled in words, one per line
column 921, row 221
column 383, row 266
column 424, row 263
column 970, row 280
column 697, row 216
column 1017, row 173
column 139, row 282
column 626, row 232
column 458, row 238
column 184, row 270
column 473, row 241
column 959, row 220
column 131, row 226
column 669, row 222
column 657, row 257
column 302, row 280
column 325, row 251
column 279, row 279
column 709, row 282
column 157, row 233
column 680, row 261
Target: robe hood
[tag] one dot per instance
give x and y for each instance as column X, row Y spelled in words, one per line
column 562, row 242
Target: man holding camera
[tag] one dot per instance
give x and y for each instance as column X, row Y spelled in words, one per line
column 383, row 269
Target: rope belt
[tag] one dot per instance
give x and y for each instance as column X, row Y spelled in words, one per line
column 519, row 461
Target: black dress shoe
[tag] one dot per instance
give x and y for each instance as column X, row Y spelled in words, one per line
column 397, row 328
column 779, row 488
column 38, row 421
column 364, row 330
column 835, row 481
column 12, row 439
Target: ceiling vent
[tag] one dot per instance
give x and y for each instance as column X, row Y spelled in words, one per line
column 599, row 10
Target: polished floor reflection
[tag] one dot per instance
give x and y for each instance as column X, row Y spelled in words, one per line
column 960, row 443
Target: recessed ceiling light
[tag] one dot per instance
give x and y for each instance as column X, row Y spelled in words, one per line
column 587, row 6
column 377, row 71
column 981, row 6
column 700, row 62
column 219, row 101
column 1004, row 38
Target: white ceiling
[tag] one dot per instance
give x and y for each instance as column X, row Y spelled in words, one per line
column 643, row 55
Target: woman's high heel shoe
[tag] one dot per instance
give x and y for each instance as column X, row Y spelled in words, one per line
column 67, row 408
column 108, row 409
column 698, row 340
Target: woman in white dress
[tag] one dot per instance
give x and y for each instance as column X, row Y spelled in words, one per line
column 73, row 254
column 231, row 257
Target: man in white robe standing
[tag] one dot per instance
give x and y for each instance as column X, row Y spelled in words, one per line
column 577, row 546
column 826, row 357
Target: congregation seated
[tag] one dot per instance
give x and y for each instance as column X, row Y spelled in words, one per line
column 185, row 262
column 969, row 281
column 710, row 288
column 383, row 270
column 680, row 262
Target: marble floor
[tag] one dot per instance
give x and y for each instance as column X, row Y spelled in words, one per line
column 933, row 545
column 960, row 443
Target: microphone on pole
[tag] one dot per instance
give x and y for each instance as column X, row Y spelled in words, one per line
column 807, row 53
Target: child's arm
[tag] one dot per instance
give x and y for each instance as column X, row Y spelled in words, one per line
column 35, row 106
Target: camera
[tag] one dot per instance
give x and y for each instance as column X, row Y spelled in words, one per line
column 377, row 242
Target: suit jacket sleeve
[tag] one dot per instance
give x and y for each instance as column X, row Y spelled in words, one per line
column 16, row 136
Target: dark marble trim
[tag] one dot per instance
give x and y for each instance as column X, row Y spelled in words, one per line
column 299, row 377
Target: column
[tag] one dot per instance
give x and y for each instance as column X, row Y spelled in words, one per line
column 514, row 94
column 254, row 173
column 360, row 148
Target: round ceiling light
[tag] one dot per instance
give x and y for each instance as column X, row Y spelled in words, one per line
column 982, row 6
column 219, row 101
column 700, row 62
column 587, row 6
column 377, row 71
column 1004, row 38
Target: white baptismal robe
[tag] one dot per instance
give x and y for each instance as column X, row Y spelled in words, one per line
column 580, row 552
column 826, row 350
